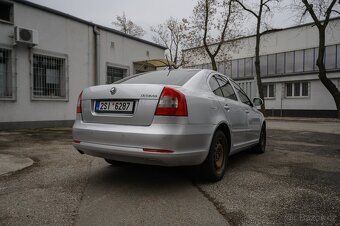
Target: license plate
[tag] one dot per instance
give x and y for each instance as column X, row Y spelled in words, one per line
column 115, row 106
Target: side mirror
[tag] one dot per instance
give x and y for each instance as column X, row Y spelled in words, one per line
column 257, row 101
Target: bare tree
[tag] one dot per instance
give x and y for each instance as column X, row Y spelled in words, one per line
column 321, row 11
column 259, row 11
column 213, row 22
column 171, row 35
column 128, row 27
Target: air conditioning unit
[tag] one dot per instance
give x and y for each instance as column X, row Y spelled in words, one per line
column 26, row 36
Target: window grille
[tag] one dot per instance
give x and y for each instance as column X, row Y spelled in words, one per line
column 49, row 77
column 114, row 74
column 297, row 89
column 268, row 91
column 6, row 74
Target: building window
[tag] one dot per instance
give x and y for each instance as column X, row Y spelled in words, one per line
column 6, row 75
column 114, row 74
column 330, row 57
column 234, row 68
column 298, row 61
column 280, row 63
column 289, row 92
column 297, row 89
column 263, row 65
column 6, row 12
column 220, row 67
column 304, row 87
column 309, row 61
column 228, row 68
column 289, row 59
column 49, row 77
column 241, row 68
column 271, row 64
column 268, row 91
column 248, row 67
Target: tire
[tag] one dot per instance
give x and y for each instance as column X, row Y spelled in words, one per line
column 214, row 166
column 260, row 148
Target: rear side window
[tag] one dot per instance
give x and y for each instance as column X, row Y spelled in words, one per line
column 215, row 87
column 164, row 77
column 227, row 89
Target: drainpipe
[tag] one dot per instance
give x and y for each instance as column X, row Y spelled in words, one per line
column 97, row 54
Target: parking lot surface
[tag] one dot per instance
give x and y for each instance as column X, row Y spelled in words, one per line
column 297, row 181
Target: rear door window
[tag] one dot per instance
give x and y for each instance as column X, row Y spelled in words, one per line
column 243, row 97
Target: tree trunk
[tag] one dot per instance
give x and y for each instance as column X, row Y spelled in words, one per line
column 322, row 71
column 257, row 63
column 213, row 63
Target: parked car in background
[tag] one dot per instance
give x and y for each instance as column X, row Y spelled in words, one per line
column 169, row 118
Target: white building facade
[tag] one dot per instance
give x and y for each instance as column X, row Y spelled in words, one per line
column 47, row 58
column 288, row 69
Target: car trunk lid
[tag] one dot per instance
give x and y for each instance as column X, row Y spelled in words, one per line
column 104, row 104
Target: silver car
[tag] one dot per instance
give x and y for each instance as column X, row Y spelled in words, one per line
column 169, row 118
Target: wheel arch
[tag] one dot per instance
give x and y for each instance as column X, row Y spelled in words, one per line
column 223, row 126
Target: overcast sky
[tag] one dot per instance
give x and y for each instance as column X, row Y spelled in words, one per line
column 142, row 12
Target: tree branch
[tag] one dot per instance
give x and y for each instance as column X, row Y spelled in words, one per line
column 206, row 19
column 224, row 30
column 245, row 8
column 328, row 12
column 309, row 8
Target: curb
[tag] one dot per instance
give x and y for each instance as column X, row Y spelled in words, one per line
column 10, row 164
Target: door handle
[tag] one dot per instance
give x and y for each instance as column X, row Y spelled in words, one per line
column 247, row 111
column 226, row 107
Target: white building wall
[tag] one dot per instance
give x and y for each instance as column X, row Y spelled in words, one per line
column 75, row 40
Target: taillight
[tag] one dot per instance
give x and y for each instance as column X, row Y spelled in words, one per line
column 172, row 103
column 79, row 102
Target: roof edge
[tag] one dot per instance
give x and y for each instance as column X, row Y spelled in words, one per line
column 59, row 13
column 265, row 32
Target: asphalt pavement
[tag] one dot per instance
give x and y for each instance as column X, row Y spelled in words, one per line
column 296, row 182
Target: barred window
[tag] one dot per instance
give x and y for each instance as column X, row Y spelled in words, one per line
column 6, row 75
column 289, row 90
column 114, row 74
column 297, row 89
column 268, row 91
column 6, row 11
column 305, row 89
column 49, row 77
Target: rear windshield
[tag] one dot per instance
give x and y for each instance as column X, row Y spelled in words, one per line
column 166, row 77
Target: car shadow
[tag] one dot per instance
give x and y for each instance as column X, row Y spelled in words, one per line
column 147, row 176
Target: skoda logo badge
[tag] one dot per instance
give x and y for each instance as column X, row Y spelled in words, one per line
column 113, row 90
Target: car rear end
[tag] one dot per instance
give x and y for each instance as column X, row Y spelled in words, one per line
column 138, row 122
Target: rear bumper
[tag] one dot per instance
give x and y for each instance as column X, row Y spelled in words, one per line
column 190, row 143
